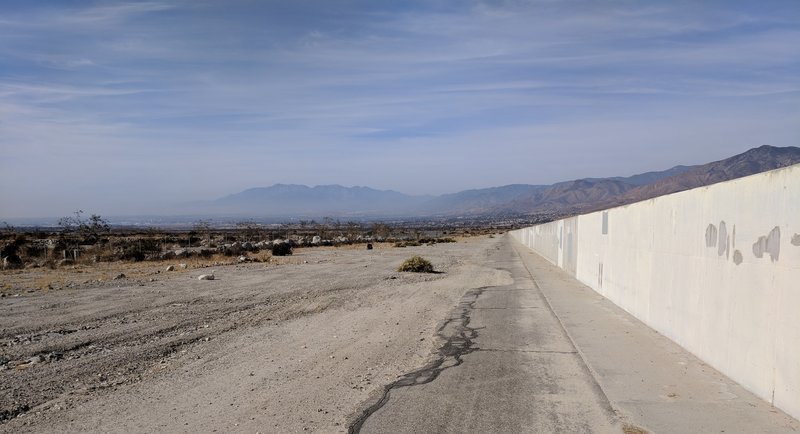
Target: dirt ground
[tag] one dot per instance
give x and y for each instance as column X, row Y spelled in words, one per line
column 298, row 344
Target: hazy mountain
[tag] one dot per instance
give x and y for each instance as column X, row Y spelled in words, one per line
column 754, row 161
column 478, row 201
column 566, row 195
column 521, row 198
column 292, row 200
column 562, row 198
column 526, row 199
column 648, row 177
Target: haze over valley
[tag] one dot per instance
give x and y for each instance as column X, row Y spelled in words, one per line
column 563, row 198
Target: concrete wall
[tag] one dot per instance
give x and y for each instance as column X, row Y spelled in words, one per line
column 716, row 269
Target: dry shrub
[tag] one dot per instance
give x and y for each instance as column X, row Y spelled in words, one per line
column 407, row 244
column 416, row 264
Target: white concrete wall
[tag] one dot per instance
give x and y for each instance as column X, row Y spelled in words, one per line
column 688, row 265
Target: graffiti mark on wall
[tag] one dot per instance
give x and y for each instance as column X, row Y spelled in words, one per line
column 796, row 240
column 600, row 275
column 722, row 246
column 711, row 236
column 737, row 257
column 769, row 244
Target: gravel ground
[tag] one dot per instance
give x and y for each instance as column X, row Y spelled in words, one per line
column 302, row 346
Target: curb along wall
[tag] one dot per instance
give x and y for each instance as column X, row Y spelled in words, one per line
column 716, row 269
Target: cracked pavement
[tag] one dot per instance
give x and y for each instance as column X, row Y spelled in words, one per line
column 520, row 373
column 547, row 354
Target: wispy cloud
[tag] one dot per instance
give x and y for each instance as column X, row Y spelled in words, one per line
column 149, row 94
column 116, row 13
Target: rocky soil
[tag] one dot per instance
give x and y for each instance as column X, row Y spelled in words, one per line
column 301, row 344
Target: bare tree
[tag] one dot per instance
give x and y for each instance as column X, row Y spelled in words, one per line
column 203, row 227
column 326, row 227
column 381, row 230
column 7, row 228
column 352, row 230
column 78, row 230
column 89, row 231
column 249, row 229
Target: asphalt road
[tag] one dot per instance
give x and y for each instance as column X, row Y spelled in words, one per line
column 508, row 367
column 548, row 355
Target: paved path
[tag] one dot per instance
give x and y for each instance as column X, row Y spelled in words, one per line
column 547, row 354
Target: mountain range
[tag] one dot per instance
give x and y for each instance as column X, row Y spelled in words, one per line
column 576, row 196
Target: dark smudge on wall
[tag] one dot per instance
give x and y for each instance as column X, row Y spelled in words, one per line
column 722, row 248
column 770, row 244
column 711, row 236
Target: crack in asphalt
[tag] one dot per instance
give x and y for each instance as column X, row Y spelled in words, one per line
column 510, row 289
column 500, row 350
column 457, row 344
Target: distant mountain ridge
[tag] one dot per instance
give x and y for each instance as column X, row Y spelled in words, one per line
column 754, row 161
column 569, row 197
column 649, row 177
column 291, row 199
column 592, row 194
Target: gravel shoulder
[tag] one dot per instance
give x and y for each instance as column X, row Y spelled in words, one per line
column 298, row 347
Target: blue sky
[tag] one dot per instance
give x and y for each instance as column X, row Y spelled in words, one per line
column 122, row 107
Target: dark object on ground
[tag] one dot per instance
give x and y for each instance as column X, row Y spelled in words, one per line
column 281, row 249
column 12, row 262
column 369, row 246
column 416, row 264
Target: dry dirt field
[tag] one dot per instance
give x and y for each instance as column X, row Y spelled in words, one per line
column 299, row 344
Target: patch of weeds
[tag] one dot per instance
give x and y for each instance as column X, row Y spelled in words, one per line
column 633, row 429
column 407, row 244
column 416, row 264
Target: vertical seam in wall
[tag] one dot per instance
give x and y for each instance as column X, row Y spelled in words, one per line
column 774, row 339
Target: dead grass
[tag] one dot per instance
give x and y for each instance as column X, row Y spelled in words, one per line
column 633, row 429
column 84, row 271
